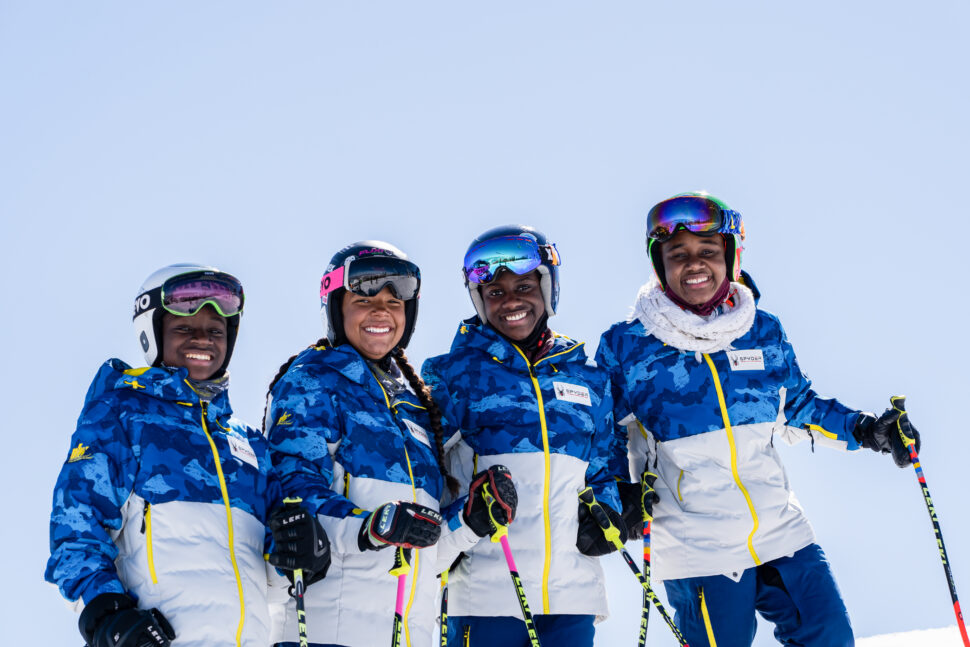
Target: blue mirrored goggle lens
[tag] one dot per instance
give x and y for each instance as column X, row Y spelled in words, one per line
column 368, row 276
column 517, row 254
column 696, row 214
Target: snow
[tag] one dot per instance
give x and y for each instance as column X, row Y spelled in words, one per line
column 943, row 637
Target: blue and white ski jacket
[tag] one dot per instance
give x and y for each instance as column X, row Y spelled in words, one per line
column 708, row 423
column 551, row 424
column 345, row 445
column 165, row 497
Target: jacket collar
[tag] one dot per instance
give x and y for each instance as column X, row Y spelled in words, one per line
column 472, row 335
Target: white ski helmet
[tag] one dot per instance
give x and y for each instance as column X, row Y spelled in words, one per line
column 152, row 302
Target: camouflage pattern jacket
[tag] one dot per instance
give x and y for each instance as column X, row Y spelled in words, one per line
column 165, row 497
column 707, row 424
column 551, row 424
column 345, row 445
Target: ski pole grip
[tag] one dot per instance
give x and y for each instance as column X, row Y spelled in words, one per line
column 292, row 500
column 898, row 403
column 402, row 562
column 501, row 530
column 647, row 480
column 611, row 532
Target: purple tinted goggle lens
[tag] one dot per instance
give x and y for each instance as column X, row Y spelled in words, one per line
column 696, row 214
column 185, row 295
column 368, row 276
column 515, row 253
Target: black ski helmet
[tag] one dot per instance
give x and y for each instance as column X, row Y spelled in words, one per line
column 149, row 311
column 548, row 269
column 331, row 297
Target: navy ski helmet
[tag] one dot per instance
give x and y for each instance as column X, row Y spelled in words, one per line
column 367, row 267
column 519, row 249
column 700, row 213
column 183, row 289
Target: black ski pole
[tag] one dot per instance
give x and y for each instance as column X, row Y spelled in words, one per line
column 899, row 404
column 646, row 489
column 298, row 588
column 612, row 534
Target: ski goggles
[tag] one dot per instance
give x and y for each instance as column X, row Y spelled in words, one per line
column 184, row 295
column 517, row 254
column 696, row 214
column 369, row 275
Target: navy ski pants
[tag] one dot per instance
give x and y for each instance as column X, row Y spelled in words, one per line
column 798, row 594
column 507, row 631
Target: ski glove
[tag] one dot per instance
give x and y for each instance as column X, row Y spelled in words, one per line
column 882, row 434
column 637, row 498
column 590, row 539
column 500, row 486
column 114, row 620
column 300, row 542
column 400, row 523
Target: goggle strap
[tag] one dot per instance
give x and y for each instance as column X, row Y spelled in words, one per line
column 332, row 281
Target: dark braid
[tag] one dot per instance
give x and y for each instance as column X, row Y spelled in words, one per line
column 280, row 373
column 434, row 413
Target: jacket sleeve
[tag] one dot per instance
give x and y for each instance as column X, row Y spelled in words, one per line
column 304, row 428
column 456, row 537
column 808, row 415
column 91, row 490
column 627, row 431
column 607, row 459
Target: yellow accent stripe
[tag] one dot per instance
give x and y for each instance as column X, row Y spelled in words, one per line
column 411, row 404
column 135, row 372
column 823, row 431
column 707, row 620
column 417, row 560
column 547, row 558
column 734, row 457
column 148, row 542
column 679, row 479
column 232, row 549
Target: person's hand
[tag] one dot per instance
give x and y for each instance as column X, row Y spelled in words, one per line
column 590, row 537
column 114, row 620
column 500, row 486
column 637, row 499
column 300, row 542
column 885, row 433
column 400, row 523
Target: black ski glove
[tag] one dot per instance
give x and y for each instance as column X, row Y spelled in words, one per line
column 400, row 523
column 882, row 434
column 114, row 620
column 500, row 486
column 637, row 498
column 590, row 539
column 300, row 542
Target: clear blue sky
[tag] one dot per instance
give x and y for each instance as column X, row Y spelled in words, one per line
column 261, row 137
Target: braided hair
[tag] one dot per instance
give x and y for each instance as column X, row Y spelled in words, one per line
column 434, row 413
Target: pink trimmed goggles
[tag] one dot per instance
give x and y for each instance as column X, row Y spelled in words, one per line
column 696, row 214
column 518, row 254
column 184, row 295
column 369, row 275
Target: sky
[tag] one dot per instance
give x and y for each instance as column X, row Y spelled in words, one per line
column 262, row 137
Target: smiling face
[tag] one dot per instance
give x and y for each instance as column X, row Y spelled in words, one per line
column 373, row 325
column 514, row 303
column 694, row 266
column 197, row 343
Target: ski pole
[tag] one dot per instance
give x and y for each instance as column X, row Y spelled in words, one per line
column 612, row 534
column 444, row 608
column 899, row 404
column 646, row 489
column 298, row 588
column 401, row 568
column 501, row 535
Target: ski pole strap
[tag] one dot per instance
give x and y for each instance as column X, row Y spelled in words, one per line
column 501, row 530
column 402, row 562
column 611, row 532
column 899, row 404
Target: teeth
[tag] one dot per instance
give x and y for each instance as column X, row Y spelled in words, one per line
column 377, row 331
column 515, row 317
column 702, row 279
column 199, row 356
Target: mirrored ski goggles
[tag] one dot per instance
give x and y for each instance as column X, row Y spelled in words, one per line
column 517, row 254
column 696, row 214
column 184, row 295
column 368, row 276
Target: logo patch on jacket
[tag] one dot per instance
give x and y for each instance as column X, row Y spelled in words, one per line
column 572, row 393
column 240, row 448
column 746, row 360
column 418, row 432
column 79, row 453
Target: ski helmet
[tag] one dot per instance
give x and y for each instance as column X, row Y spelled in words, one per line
column 367, row 267
column 519, row 249
column 699, row 213
column 183, row 289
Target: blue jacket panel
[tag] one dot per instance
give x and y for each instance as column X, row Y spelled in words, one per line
column 145, row 433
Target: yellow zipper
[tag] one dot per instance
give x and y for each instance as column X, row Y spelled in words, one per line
column 707, row 620
column 734, row 457
column 148, row 542
column 232, row 549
